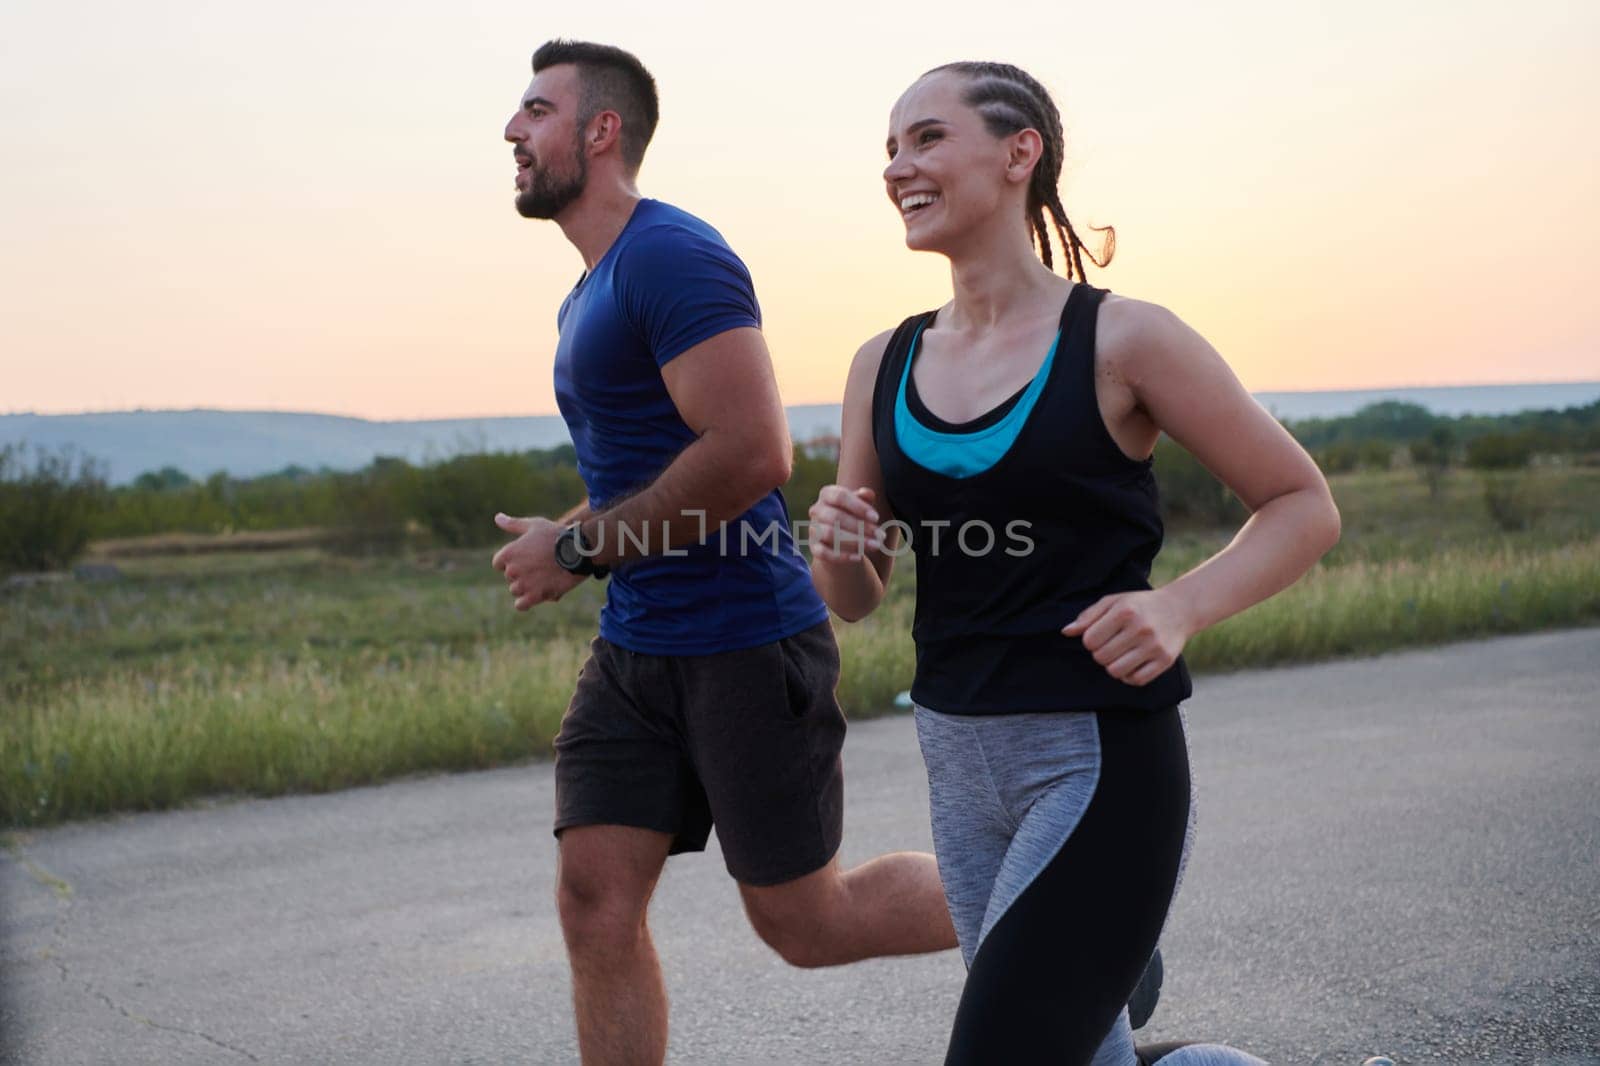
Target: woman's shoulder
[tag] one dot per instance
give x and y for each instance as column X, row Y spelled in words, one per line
column 861, row 384
column 868, row 359
column 1126, row 320
column 1131, row 334
column 870, row 354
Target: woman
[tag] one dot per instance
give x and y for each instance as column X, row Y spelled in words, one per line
column 1008, row 436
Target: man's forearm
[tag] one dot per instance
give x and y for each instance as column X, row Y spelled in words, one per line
column 712, row 481
column 577, row 514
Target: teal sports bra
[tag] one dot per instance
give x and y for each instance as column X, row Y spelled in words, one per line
column 961, row 453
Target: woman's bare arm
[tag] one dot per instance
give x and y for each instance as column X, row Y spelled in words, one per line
column 850, row 560
column 1187, row 391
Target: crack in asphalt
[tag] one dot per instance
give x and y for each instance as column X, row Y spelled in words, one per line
column 65, row 904
column 142, row 1020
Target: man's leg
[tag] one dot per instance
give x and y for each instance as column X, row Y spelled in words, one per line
column 893, row 905
column 604, row 880
column 765, row 733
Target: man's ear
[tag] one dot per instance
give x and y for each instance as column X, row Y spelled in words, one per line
column 604, row 132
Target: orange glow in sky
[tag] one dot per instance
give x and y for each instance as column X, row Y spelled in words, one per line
column 308, row 206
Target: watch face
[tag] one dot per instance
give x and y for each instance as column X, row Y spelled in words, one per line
column 567, row 554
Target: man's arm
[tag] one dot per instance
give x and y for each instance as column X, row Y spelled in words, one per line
column 577, row 514
column 725, row 392
column 529, row 563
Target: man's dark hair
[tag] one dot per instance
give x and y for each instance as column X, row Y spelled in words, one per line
column 609, row 79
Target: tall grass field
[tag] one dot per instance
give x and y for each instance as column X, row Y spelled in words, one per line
column 205, row 675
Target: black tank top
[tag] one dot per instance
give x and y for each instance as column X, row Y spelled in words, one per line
column 1072, row 519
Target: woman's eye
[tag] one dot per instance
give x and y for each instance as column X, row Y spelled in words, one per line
column 928, row 137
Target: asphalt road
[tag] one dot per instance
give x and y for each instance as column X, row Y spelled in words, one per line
column 1398, row 854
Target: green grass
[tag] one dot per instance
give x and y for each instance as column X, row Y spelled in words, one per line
column 172, row 616
column 279, row 726
column 304, row 671
column 1365, row 608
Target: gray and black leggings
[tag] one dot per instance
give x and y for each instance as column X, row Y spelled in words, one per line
column 1061, row 839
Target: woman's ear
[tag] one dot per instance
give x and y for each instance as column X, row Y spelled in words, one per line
column 1026, row 148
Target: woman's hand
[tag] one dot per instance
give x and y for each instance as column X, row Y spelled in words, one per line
column 1136, row 636
column 844, row 524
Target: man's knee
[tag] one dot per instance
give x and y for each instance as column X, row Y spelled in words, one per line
column 800, row 920
column 797, row 942
column 603, row 887
column 597, row 917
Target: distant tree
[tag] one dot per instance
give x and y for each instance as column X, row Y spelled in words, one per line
column 47, row 506
column 456, row 500
column 1343, row 456
column 371, row 506
column 164, row 480
column 1432, row 456
column 1375, row 455
column 1500, row 451
column 1389, row 420
column 1339, row 457
column 811, row 471
column 560, row 455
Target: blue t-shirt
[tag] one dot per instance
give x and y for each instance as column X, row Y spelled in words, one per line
column 667, row 283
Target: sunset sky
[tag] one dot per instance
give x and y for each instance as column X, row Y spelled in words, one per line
column 308, row 205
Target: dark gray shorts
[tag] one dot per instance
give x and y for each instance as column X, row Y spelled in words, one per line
column 747, row 740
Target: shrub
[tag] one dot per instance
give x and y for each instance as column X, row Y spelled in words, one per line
column 1432, row 455
column 48, row 508
column 812, row 470
column 1513, row 501
column 371, row 506
column 456, row 499
column 1386, row 420
column 163, row 480
column 1191, row 493
column 1344, row 456
column 1375, row 455
column 1339, row 458
column 1500, row 451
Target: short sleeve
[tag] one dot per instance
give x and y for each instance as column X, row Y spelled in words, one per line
column 677, row 288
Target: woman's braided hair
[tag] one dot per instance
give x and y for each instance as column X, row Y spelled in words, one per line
column 1009, row 99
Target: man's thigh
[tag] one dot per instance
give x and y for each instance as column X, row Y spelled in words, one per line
column 765, row 733
column 621, row 759
column 609, row 871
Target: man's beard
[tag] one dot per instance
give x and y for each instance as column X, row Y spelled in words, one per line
column 549, row 193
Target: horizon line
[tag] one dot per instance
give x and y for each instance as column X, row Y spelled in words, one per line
column 787, row 406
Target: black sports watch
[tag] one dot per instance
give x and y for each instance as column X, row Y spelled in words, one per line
column 573, row 555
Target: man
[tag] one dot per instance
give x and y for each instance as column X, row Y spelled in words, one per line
column 709, row 693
